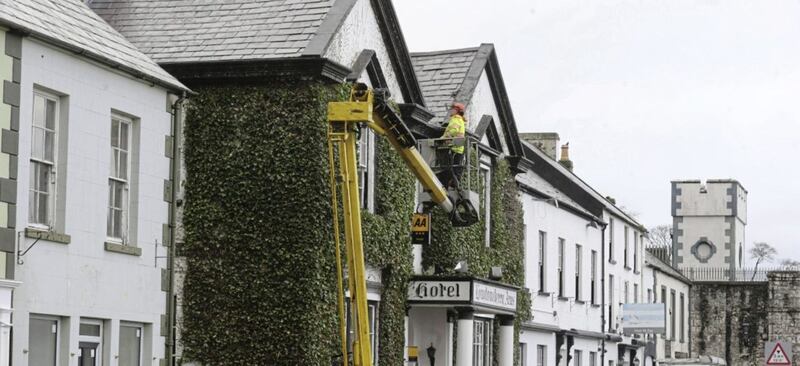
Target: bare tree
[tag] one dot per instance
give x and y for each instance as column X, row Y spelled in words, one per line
column 762, row 252
column 660, row 236
column 790, row 264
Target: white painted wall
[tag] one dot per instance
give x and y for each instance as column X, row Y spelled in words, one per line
column 558, row 223
column 534, row 338
column 81, row 279
column 482, row 103
column 360, row 31
column 673, row 284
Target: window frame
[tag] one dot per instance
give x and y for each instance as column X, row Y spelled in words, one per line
column 625, row 253
column 635, row 252
column 58, row 325
column 577, row 357
column 562, row 243
column 486, row 175
column 125, row 182
column 593, row 280
column 578, row 271
column 672, row 315
column 366, row 170
column 611, row 240
column 50, row 220
column 682, row 319
column 611, row 320
column 541, row 355
column 542, row 261
column 635, row 293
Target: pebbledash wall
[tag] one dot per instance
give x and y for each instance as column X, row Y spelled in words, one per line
column 71, row 274
column 732, row 320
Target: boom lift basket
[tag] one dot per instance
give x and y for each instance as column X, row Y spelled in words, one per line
column 457, row 176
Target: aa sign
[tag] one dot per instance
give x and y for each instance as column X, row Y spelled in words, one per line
column 421, row 229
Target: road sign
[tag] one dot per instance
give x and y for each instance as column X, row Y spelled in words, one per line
column 778, row 353
column 421, row 229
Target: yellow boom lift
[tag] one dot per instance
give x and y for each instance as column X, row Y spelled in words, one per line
column 370, row 108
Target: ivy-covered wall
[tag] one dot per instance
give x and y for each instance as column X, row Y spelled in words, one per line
column 260, row 285
column 260, row 282
column 450, row 244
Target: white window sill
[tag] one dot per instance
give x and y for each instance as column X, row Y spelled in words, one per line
column 117, row 247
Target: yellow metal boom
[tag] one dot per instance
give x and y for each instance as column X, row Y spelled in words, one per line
column 365, row 108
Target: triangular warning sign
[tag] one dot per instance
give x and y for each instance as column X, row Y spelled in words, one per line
column 778, row 356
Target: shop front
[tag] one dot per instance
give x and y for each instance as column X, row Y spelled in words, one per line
column 453, row 321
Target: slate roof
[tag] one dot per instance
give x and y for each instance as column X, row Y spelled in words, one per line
column 577, row 181
column 71, row 24
column 440, row 74
column 175, row 31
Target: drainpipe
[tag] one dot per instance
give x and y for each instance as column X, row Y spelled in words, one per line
column 177, row 129
column 603, row 292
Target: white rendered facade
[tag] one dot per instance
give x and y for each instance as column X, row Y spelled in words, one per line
column 662, row 283
column 97, row 290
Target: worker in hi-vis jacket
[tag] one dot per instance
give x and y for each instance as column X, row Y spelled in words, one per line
column 456, row 128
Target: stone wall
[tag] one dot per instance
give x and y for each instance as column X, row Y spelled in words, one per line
column 732, row 320
column 784, row 309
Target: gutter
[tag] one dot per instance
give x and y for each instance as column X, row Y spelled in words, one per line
column 603, row 292
column 171, row 313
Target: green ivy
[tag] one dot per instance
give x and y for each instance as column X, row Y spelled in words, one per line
column 260, row 286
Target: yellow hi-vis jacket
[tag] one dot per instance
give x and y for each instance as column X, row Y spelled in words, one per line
column 456, row 128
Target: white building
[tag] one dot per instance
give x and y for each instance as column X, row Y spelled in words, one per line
column 668, row 286
column 584, row 259
column 85, row 189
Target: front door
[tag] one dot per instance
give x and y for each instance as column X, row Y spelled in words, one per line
column 88, row 354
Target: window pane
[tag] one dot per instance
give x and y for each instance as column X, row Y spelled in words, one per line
column 38, row 110
column 110, row 223
column 114, row 133
column 49, row 144
column 123, row 135
column 123, row 165
column 119, row 195
column 129, row 346
column 50, row 121
column 42, row 211
column 37, row 142
column 42, row 342
column 89, row 330
column 43, row 178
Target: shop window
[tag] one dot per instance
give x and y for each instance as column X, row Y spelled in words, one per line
column 43, row 336
column 541, row 355
column 130, row 345
column 482, row 342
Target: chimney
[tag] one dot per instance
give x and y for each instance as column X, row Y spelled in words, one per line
column 565, row 157
column 545, row 141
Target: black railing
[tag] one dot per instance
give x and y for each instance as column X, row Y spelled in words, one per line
column 726, row 274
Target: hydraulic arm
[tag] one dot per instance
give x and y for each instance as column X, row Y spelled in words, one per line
column 371, row 109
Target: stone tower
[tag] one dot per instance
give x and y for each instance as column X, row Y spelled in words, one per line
column 708, row 222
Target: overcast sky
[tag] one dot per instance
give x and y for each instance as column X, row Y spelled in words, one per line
column 649, row 91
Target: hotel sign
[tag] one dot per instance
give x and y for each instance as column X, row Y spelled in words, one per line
column 465, row 292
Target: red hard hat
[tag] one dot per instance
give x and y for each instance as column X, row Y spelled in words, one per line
column 459, row 107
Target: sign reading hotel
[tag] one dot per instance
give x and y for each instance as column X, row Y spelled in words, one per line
column 438, row 291
column 453, row 292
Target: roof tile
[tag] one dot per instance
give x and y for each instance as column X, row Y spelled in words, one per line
column 440, row 74
column 73, row 24
column 250, row 29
